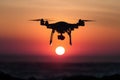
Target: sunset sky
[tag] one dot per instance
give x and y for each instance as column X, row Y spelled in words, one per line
column 23, row 40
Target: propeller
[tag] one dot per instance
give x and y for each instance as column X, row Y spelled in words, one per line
column 88, row 20
column 41, row 19
column 36, row 20
column 85, row 20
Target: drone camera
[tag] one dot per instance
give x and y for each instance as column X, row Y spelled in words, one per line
column 61, row 37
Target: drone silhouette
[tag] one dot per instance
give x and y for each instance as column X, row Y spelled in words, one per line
column 61, row 27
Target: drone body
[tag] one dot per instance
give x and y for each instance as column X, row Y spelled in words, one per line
column 61, row 27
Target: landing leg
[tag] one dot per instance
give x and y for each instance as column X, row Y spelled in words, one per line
column 69, row 33
column 51, row 36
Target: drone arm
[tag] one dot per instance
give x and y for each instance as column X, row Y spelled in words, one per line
column 51, row 36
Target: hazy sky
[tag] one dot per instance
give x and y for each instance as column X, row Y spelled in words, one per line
column 20, row 37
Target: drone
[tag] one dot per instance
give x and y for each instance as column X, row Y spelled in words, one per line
column 62, row 27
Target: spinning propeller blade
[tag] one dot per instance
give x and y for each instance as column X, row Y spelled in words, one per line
column 41, row 19
column 36, row 20
column 88, row 20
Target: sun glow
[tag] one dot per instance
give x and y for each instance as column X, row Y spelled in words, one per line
column 60, row 50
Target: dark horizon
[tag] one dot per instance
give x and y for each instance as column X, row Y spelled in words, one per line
column 50, row 58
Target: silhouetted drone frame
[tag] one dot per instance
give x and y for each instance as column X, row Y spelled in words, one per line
column 61, row 27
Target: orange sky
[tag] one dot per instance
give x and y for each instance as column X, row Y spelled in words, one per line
column 18, row 35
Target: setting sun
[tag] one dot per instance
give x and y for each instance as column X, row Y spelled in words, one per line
column 60, row 50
